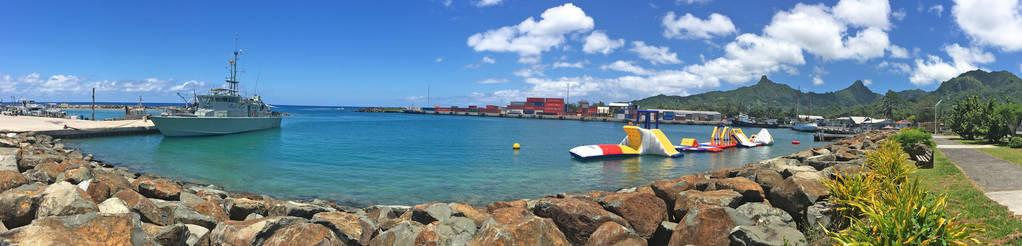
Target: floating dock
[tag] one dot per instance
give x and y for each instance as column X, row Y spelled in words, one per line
column 73, row 128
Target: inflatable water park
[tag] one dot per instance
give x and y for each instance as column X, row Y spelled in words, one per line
column 650, row 140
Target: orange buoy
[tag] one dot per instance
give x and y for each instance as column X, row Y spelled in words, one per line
column 796, row 142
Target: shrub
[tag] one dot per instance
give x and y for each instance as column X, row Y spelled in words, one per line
column 886, row 206
column 1015, row 142
column 906, row 215
column 909, row 136
column 889, row 163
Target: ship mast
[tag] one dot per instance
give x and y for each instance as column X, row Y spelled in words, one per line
column 232, row 80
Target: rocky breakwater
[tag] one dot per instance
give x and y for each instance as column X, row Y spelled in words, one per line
column 52, row 195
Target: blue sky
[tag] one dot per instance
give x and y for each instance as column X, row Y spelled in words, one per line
column 493, row 51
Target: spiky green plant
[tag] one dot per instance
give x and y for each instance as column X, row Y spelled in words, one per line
column 889, row 162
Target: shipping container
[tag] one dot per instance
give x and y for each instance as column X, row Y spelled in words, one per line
column 517, row 103
column 560, row 100
column 535, row 99
column 539, row 104
column 529, row 111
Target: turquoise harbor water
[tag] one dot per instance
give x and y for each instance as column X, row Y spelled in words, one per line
column 381, row 158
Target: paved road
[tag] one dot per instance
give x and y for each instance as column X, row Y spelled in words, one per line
column 1000, row 180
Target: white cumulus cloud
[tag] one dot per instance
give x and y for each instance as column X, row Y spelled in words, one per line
column 568, row 64
column 599, row 42
column 654, row 54
column 997, row 23
column 625, row 66
column 819, row 32
column 493, row 80
column 934, row 69
column 484, row 3
column 531, row 38
column 937, row 10
column 691, row 27
column 864, row 13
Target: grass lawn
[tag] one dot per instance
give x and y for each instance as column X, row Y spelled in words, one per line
column 1002, row 151
column 1005, row 153
column 970, row 204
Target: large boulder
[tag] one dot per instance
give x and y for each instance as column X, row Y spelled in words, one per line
column 643, row 211
column 11, row 179
column 693, row 199
column 403, row 233
column 18, row 205
column 387, row 217
column 96, row 190
column 239, row 208
column 464, row 210
column 668, row 189
column 517, row 226
column 113, row 206
column 64, row 199
column 176, row 234
column 762, row 214
column 76, row 175
column 768, row 179
column 844, row 169
column 157, row 188
column 51, row 170
column 115, row 181
column 429, row 212
column 750, row 190
column 798, row 192
column 453, row 231
column 196, row 233
column 143, row 206
column 303, row 233
column 504, row 204
column 576, row 218
column 703, row 226
column 822, row 214
column 351, row 228
column 9, row 158
column 182, row 214
column 80, row 229
column 208, row 190
column 212, row 207
column 297, row 209
column 611, row 233
column 766, row 236
column 251, row 232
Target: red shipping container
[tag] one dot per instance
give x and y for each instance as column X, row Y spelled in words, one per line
column 534, row 99
column 472, row 106
column 557, row 100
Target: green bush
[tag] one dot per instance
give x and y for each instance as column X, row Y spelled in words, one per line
column 1015, row 142
column 887, row 206
column 910, row 136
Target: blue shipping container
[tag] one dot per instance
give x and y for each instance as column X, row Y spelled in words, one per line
column 540, row 104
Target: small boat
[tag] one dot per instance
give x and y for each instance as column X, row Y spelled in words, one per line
column 805, row 127
column 744, row 121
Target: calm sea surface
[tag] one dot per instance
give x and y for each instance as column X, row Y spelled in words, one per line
column 389, row 158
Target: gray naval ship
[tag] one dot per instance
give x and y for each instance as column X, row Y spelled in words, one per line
column 222, row 111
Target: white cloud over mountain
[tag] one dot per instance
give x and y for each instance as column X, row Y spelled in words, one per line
column 934, row 69
column 853, row 30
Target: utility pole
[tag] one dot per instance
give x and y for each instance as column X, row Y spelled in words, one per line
column 93, row 104
column 935, row 116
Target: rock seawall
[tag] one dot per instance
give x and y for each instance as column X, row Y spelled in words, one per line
column 52, row 195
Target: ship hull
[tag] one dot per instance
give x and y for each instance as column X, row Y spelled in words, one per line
column 176, row 126
column 750, row 124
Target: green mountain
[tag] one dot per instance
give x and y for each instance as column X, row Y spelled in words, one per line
column 774, row 100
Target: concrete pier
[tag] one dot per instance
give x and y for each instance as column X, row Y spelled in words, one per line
column 72, row 128
column 565, row 117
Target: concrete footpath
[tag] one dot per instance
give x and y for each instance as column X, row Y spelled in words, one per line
column 999, row 179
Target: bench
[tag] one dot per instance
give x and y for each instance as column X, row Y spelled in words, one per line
column 922, row 154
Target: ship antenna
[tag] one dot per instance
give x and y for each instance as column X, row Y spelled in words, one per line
column 233, row 80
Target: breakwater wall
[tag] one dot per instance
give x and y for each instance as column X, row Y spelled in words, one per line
column 566, row 117
column 52, row 195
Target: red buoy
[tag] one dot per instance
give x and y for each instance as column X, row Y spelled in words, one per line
column 795, row 142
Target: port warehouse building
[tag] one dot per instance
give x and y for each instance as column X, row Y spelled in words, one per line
column 557, row 106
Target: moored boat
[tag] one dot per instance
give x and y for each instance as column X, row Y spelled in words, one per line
column 222, row 111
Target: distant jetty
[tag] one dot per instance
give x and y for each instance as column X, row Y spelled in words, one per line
column 54, row 195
